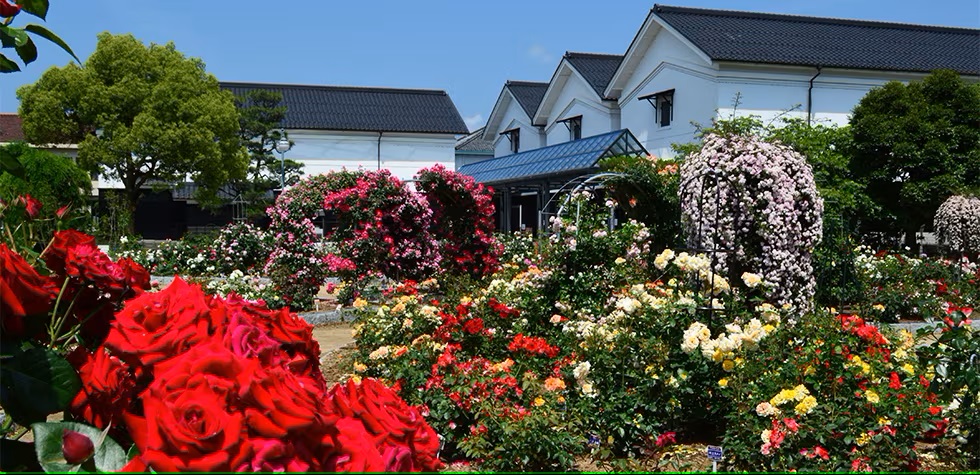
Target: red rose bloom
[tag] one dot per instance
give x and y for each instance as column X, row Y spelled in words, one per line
column 353, row 449
column 107, row 388
column 274, row 455
column 280, row 403
column 56, row 253
column 31, row 205
column 191, row 422
column 160, row 325
column 23, row 292
column 389, row 419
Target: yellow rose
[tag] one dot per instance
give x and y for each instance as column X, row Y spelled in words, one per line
column 538, row 401
column 728, row 365
column 723, row 382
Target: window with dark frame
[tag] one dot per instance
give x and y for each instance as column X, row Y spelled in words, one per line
column 663, row 106
column 514, row 136
column 574, row 126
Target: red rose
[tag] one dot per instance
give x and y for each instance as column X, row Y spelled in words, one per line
column 108, row 386
column 274, row 455
column 280, row 403
column 134, row 275
column 293, row 335
column 89, row 264
column 160, row 325
column 388, row 418
column 192, row 421
column 353, row 449
column 57, row 251
column 23, row 292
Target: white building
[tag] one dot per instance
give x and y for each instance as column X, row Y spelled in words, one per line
column 686, row 66
column 333, row 127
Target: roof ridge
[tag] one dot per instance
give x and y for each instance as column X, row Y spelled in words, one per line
column 581, row 53
column 338, row 87
column 526, row 83
column 657, row 8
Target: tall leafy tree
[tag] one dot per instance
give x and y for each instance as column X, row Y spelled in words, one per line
column 139, row 114
column 261, row 116
column 916, row 144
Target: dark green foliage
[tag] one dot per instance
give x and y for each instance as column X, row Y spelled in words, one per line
column 53, row 179
column 261, row 114
column 915, row 145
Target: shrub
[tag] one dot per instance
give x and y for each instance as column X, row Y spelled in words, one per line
column 462, row 221
column 831, row 393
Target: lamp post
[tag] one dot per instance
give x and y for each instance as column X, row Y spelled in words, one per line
column 282, row 146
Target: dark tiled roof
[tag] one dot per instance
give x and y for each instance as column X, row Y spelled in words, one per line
column 10, row 128
column 800, row 40
column 597, row 69
column 474, row 143
column 528, row 94
column 363, row 108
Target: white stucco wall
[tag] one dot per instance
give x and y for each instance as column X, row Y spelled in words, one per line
column 769, row 91
column 514, row 117
column 576, row 97
column 668, row 64
column 403, row 154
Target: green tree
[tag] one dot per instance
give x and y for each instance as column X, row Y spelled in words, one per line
column 915, row 145
column 261, row 114
column 139, row 114
column 52, row 179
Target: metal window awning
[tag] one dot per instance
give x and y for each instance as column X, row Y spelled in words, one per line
column 569, row 158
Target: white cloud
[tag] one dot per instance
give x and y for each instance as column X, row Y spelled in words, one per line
column 539, row 53
column 474, row 121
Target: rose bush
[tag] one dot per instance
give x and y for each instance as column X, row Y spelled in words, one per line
column 194, row 382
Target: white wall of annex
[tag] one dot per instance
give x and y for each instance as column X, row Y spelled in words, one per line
column 578, row 98
column 514, row 116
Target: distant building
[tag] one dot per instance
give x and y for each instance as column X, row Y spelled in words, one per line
column 687, row 65
column 333, row 127
column 473, row 148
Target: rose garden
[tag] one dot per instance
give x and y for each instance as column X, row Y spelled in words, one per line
column 502, row 352
column 764, row 292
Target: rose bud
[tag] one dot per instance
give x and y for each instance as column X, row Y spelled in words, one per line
column 62, row 211
column 76, row 447
column 31, row 204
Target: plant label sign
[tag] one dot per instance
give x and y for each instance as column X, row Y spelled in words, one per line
column 715, row 452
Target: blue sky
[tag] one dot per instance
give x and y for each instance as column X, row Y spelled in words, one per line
column 468, row 48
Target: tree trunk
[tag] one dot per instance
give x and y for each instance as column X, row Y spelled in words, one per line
column 911, row 242
column 132, row 200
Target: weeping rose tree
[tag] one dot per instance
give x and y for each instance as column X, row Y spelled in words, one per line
column 957, row 224
column 756, row 203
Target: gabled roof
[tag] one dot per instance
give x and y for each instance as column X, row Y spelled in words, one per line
column 565, row 159
column 10, row 127
column 474, row 144
column 528, row 94
column 828, row 42
column 373, row 109
column 598, row 69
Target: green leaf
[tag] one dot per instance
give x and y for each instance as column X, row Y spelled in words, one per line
column 36, row 382
column 10, row 164
column 19, row 36
column 108, row 457
column 7, row 66
column 50, row 36
column 38, row 8
column 27, row 52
